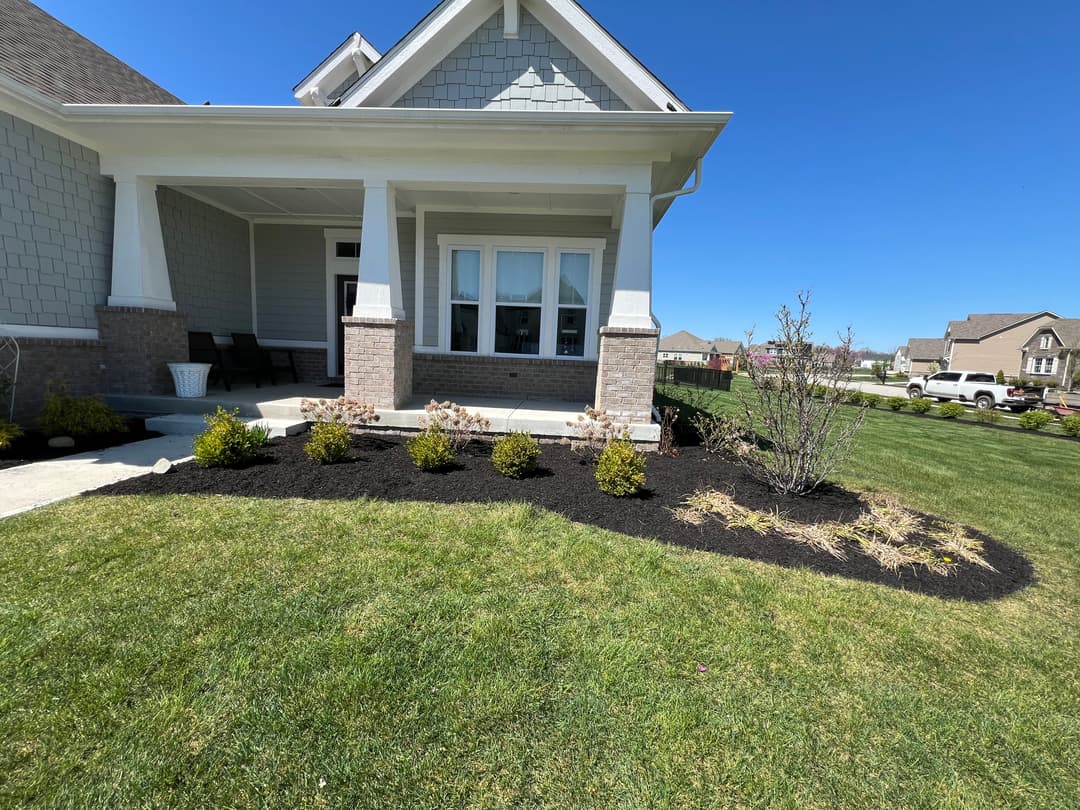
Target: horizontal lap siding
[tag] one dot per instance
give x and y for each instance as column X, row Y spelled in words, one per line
column 56, row 228
column 437, row 223
column 208, row 254
column 290, row 281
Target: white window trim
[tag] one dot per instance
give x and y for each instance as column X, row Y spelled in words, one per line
column 1044, row 342
column 551, row 247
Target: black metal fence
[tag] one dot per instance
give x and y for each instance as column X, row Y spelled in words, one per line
column 696, row 376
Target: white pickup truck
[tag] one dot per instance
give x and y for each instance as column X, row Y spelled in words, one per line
column 978, row 387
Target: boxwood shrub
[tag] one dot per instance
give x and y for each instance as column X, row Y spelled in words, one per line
column 227, row 441
column 1035, row 420
column 65, row 415
column 896, row 403
column 1071, row 425
column 329, row 442
column 921, row 405
column 431, row 449
column 620, row 470
column 951, row 410
column 515, row 455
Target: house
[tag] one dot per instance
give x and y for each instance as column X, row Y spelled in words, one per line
column 469, row 213
column 1052, row 354
column 685, row 347
column 990, row 342
column 920, row 356
column 772, row 349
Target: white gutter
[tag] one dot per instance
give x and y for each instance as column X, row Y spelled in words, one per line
column 670, row 195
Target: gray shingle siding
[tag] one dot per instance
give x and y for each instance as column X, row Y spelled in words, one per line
column 40, row 51
column 510, row 225
column 208, row 254
column 534, row 72
column 407, row 254
column 56, row 223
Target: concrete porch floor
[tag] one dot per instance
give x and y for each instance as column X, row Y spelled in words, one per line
column 541, row 418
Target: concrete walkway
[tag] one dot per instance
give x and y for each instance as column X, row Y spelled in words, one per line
column 33, row 485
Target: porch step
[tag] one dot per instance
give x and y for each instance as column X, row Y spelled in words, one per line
column 190, row 424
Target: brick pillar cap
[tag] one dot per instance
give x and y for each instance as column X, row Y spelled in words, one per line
column 615, row 331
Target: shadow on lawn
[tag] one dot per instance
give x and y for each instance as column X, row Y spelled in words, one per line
column 380, row 467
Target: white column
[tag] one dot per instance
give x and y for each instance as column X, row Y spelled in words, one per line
column 378, row 293
column 631, row 304
column 140, row 276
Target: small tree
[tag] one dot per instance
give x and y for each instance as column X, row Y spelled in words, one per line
column 796, row 407
column 999, row 378
column 880, row 369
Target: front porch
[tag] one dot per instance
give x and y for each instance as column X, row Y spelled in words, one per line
column 544, row 419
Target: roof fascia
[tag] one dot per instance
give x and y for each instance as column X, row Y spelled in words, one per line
column 23, row 101
column 335, row 68
column 1015, row 324
column 425, row 46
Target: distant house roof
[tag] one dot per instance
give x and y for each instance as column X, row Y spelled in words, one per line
column 727, row 346
column 926, row 348
column 684, row 342
column 977, row 327
column 38, row 50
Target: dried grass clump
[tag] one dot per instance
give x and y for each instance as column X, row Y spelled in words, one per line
column 952, row 539
column 822, row 536
column 887, row 518
column 714, row 502
column 688, row 515
column 460, row 426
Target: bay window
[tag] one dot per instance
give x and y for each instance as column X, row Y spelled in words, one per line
column 520, row 296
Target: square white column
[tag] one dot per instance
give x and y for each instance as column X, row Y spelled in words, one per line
column 631, row 303
column 140, row 276
column 378, row 293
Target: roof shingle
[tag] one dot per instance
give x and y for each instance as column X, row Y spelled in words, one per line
column 926, row 348
column 976, row 327
column 40, row 51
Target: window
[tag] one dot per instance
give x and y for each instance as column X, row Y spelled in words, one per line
column 982, row 378
column 521, row 296
column 1044, row 342
column 464, row 300
column 947, row 376
column 1042, row 365
column 348, row 250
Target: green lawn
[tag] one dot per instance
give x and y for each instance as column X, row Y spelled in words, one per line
column 214, row 652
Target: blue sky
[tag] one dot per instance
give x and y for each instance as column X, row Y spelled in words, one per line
column 908, row 163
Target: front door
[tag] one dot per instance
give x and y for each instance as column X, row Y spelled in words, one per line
column 346, row 300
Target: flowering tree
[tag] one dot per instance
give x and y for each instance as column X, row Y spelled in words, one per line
column 795, row 406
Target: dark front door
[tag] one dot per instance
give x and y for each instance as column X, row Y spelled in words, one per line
column 346, row 300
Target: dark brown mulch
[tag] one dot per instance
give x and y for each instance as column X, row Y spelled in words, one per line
column 34, row 446
column 381, row 468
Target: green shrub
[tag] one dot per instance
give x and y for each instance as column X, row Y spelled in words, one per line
column 999, row 378
column 819, row 391
column 951, row 410
column 987, row 416
column 9, row 432
column 1071, row 425
column 621, row 469
column 921, row 405
column 227, row 441
column 896, row 403
column 65, row 415
column 431, row 449
column 1035, row 420
column 872, row 400
column 515, row 455
column 856, row 398
column 329, row 442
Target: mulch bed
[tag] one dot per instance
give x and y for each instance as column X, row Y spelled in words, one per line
column 381, row 468
column 34, row 446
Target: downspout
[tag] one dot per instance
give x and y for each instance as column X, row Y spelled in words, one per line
column 671, row 195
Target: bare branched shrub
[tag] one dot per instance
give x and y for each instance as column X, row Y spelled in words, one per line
column 455, row 421
column 594, row 430
column 668, row 416
column 720, row 433
column 341, row 410
column 796, row 408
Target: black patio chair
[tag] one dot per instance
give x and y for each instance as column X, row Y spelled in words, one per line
column 250, row 353
column 202, row 348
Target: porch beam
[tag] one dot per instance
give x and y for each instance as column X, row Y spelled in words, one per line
column 631, row 303
column 140, row 275
column 378, row 292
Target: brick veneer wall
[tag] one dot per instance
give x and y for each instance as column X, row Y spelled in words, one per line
column 626, row 373
column 138, row 344
column 379, row 360
column 310, row 363
column 449, row 375
column 73, row 364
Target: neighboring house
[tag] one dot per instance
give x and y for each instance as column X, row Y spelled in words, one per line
column 771, row 349
column 902, row 360
column 1052, row 353
column 990, row 342
column 729, row 352
column 923, row 355
column 684, row 347
column 470, row 212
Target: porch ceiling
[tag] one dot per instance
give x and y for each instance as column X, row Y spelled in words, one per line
column 258, row 201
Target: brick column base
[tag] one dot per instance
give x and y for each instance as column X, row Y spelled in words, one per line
column 138, row 344
column 627, row 370
column 379, row 360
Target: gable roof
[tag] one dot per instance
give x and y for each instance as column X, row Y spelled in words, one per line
column 727, row 346
column 684, row 342
column 926, row 348
column 1067, row 331
column 452, row 21
column 38, row 50
column 977, row 327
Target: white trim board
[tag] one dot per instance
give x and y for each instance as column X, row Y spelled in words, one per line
column 47, row 332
